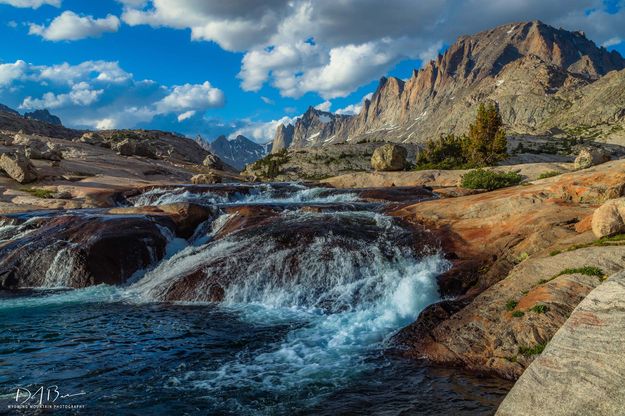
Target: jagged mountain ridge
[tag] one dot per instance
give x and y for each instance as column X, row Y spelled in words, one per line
column 237, row 152
column 533, row 71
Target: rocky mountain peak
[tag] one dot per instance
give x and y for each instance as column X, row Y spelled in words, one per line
column 45, row 116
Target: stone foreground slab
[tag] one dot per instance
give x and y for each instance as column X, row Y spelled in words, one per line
column 582, row 370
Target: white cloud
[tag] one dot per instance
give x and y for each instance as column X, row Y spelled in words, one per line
column 70, row 26
column 189, row 96
column 324, row 106
column 267, row 100
column 353, row 109
column 101, row 71
column 186, row 115
column 12, row 72
column 262, row 132
column 33, row 4
column 81, row 94
column 333, row 47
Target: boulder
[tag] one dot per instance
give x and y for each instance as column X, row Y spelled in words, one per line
column 129, row 147
column 205, row 179
column 389, row 157
column 588, row 157
column 213, row 162
column 94, row 139
column 609, row 218
column 18, row 167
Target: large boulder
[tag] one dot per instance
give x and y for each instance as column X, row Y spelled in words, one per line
column 94, row 139
column 389, row 157
column 18, row 167
column 589, row 156
column 131, row 147
column 205, row 179
column 609, row 218
column 37, row 147
column 213, row 162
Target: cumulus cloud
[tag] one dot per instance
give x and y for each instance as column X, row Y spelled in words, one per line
column 354, row 108
column 70, row 26
column 33, row 4
column 81, row 94
column 189, row 96
column 101, row 94
column 333, row 47
column 324, row 106
column 263, row 131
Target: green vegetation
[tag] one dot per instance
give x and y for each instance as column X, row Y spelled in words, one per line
column 539, row 308
column 529, row 351
column 548, row 174
column 270, row 166
column 615, row 240
column 39, row 193
column 522, row 257
column 586, row 270
column 484, row 145
column 489, row 179
column 511, row 304
column 518, row 314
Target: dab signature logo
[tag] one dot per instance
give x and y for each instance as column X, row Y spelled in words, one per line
column 44, row 397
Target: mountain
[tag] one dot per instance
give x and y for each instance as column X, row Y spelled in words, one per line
column 237, row 152
column 6, row 109
column 11, row 120
column 537, row 75
column 45, row 116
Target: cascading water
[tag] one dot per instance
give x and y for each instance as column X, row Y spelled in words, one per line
column 307, row 299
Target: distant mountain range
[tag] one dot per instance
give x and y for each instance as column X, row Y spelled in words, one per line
column 542, row 78
column 237, row 152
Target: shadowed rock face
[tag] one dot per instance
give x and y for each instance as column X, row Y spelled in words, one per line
column 79, row 250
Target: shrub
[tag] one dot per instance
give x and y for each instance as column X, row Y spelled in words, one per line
column 586, row 270
column 548, row 174
column 489, row 179
column 39, row 193
column 539, row 308
column 511, row 304
column 269, row 166
column 518, row 314
column 529, row 351
column 484, row 145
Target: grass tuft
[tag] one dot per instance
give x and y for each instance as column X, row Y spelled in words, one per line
column 586, row 270
column 529, row 351
column 518, row 314
column 539, row 308
column 39, row 193
column 511, row 304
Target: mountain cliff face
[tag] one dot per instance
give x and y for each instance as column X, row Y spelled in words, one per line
column 533, row 71
column 45, row 116
column 237, row 152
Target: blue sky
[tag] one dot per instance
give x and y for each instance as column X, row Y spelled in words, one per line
column 213, row 67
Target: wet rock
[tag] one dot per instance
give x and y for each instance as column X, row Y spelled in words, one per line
column 608, row 219
column 82, row 250
column 588, row 157
column 18, row 167
column 205, row 179
column 389, row 157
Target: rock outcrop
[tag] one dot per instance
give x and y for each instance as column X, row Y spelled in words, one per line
column 205, row 179
column 18, row 167
column 581, row 370
column 511, row 249
column 389, row 158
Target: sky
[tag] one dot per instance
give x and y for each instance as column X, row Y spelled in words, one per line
column 212, row 67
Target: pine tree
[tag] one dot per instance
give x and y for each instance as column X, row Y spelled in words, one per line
column 486, row 141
